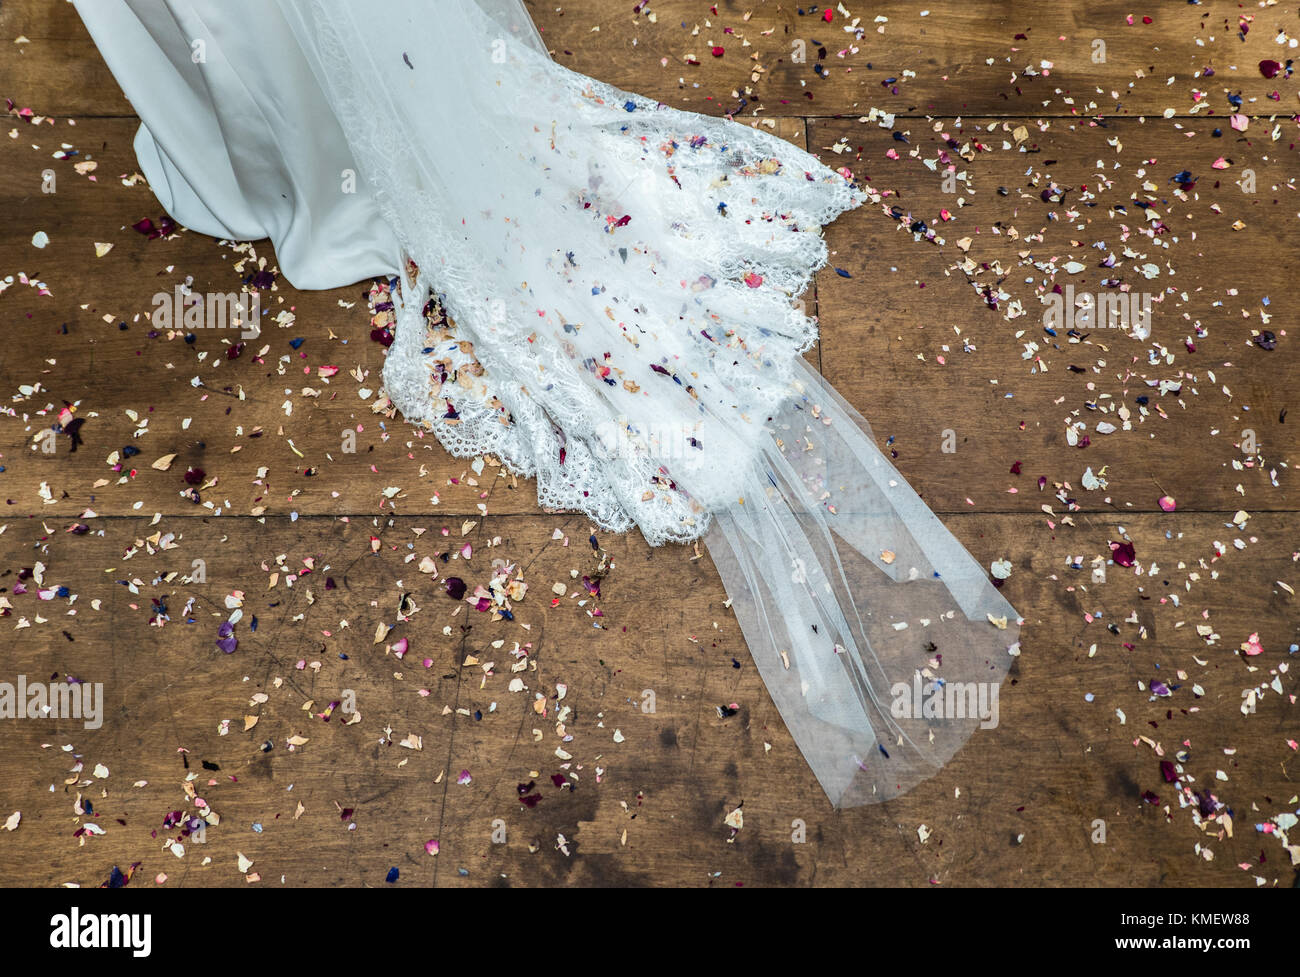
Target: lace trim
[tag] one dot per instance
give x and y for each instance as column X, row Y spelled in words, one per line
column 737, row 207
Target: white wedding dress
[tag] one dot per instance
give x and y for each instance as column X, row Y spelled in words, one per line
column 625, row 275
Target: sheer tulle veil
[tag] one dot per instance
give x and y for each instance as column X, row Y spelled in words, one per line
column 623, row 278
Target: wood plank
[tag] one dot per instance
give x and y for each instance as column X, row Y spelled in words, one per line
column 893, row 334
column 1055, row 763
column 905, row 300
column 980, row 57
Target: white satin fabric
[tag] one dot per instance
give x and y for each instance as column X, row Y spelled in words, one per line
column 622, row 277
column 238, row 141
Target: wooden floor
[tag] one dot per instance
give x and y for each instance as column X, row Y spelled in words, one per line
column 1076, row 131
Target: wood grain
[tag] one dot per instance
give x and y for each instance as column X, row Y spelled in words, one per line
column 1054, row 764
column 1080, row 736
column 1016, row 58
